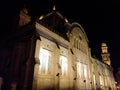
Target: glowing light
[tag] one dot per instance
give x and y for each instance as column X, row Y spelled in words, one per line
column 79, row 70
column 54, row 8
column 94, row 78
column 41, row 17
column 66, row 20
column 85, row 71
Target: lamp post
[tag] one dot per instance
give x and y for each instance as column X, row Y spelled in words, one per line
column 85, row 84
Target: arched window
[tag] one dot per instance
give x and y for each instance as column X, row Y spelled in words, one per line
column 45, row 61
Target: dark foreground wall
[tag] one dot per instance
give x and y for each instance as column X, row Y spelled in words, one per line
column 17, row 60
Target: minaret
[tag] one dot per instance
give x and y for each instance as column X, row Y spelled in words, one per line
column 105, row 54
column 54, row 7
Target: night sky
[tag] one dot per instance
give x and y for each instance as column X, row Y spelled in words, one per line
column 100, row 20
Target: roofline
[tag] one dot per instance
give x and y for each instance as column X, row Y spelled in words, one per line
column 78, row 25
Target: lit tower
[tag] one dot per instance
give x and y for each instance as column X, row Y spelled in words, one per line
column 105, row 54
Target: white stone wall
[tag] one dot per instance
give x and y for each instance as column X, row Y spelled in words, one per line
column 76, row 51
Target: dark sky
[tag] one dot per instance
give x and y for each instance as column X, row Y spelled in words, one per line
column 99, row 18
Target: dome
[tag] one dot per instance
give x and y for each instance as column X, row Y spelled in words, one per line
column 103, row 45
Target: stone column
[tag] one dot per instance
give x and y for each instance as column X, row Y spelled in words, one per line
column 1, row 81
column 30, row 65
column 36, row 73
column 36, row 67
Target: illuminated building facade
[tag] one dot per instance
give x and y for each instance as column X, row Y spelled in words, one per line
column 53, row 54
column 117, row 79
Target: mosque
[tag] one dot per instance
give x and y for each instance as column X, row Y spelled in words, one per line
column 53, row 54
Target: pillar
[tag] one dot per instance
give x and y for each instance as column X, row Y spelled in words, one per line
column 36, row 73
column 37, row 64
column 30, row 66
column 1, row 81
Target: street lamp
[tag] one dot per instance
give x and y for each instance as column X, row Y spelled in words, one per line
column 58, row 75
column 85, row 84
